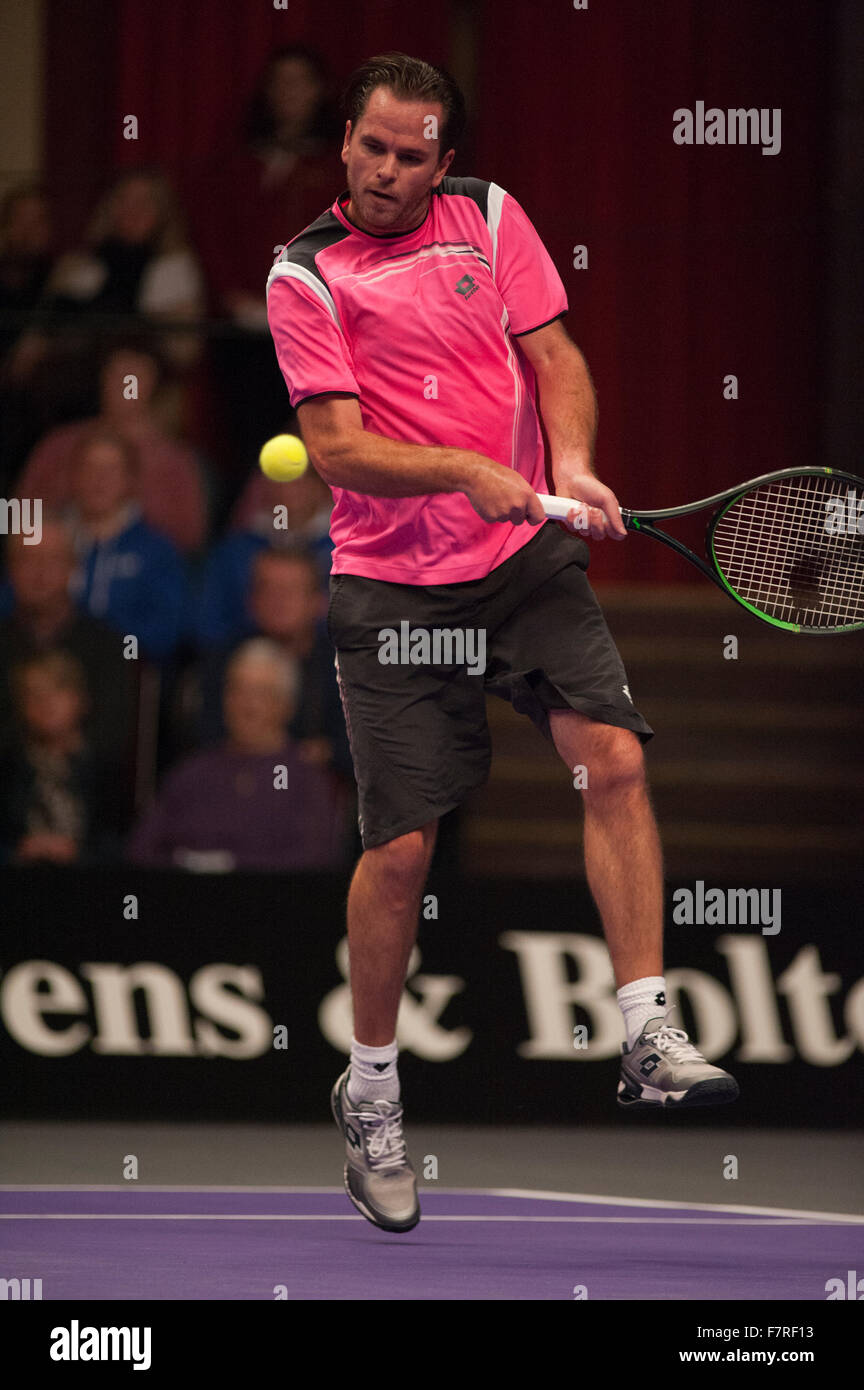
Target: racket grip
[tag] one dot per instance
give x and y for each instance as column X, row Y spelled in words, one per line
column 557, row 508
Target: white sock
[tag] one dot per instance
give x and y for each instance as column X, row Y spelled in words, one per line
column 373, row 1072
column 640, row 1001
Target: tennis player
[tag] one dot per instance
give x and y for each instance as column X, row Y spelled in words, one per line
column 414, row 323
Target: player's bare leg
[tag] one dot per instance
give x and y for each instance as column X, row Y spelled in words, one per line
column 383, row 910
column 623, row 858
column 624, row 865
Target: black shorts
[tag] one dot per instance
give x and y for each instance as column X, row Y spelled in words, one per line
column 416, row 716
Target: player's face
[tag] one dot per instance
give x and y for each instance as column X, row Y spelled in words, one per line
column 391, row 166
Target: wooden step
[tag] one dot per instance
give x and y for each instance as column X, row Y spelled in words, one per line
column 757, row 767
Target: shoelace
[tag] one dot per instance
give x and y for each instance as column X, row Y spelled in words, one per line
column 385, row 1146
column 675, row 1043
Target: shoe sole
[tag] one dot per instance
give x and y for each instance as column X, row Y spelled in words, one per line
column 720, row 1091
column 395, row 1227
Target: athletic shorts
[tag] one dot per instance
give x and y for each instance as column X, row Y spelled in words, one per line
column 415, row 713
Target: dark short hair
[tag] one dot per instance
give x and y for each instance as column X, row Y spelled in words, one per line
column 409, row 79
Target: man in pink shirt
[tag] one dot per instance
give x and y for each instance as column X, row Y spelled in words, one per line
column 414, row 322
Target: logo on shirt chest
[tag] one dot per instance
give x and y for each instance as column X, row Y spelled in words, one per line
column 466, row 286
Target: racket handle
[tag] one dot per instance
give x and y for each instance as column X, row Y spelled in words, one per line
column 557, row 508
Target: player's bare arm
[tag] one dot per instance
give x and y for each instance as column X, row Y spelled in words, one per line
column 349, row 456
column 568, row 405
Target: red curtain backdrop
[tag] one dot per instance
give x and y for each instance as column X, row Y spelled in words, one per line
column 185, row 69
column 702, row 261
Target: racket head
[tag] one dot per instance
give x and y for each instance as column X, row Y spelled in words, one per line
column 775, row 551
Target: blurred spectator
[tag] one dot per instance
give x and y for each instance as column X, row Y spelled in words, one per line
column 302, row 521
column 26, row 255
column 57, row 799
column 281, row 174
column 136, row 260
column 39, row 615
column 26, row 258
column 171, row 492
column 252, row 802
column 278, row 174
column 127, row 574
column 286, row 604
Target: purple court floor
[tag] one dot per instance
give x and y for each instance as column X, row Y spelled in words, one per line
column 246, row 1243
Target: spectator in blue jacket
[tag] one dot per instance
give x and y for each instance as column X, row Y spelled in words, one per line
column 128, row 574
column 37, row 615
column 267, row 516
column 286, row 605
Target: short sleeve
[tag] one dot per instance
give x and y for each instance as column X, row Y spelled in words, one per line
column 310, row 346
column 526, row 277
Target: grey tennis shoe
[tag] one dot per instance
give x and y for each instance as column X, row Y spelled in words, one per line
column 664, row 1068
column 379, row 1178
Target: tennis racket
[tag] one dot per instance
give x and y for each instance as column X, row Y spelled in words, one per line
column 788, row 546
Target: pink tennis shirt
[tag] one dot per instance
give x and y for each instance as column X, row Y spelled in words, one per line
column 422, row 327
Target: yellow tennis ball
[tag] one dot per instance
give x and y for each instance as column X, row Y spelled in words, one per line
column 283, row 458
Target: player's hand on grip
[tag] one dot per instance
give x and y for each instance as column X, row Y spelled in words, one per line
column 600, row 514
column 501, row 494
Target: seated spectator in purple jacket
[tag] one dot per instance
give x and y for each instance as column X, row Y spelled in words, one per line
column 57, row 798
column 39, row 616
column 128, row 574
column 266, row 516
column 287, row 605
column 251, row 802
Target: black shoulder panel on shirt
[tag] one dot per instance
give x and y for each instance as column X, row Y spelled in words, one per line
column 478, row 189
column 325, row 231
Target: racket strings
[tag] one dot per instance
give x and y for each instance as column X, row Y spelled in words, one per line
column 783, row 549
column 777, row 549
column 787, row 540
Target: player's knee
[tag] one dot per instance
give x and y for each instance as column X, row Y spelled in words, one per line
column 614, row 764
column 405, row 859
